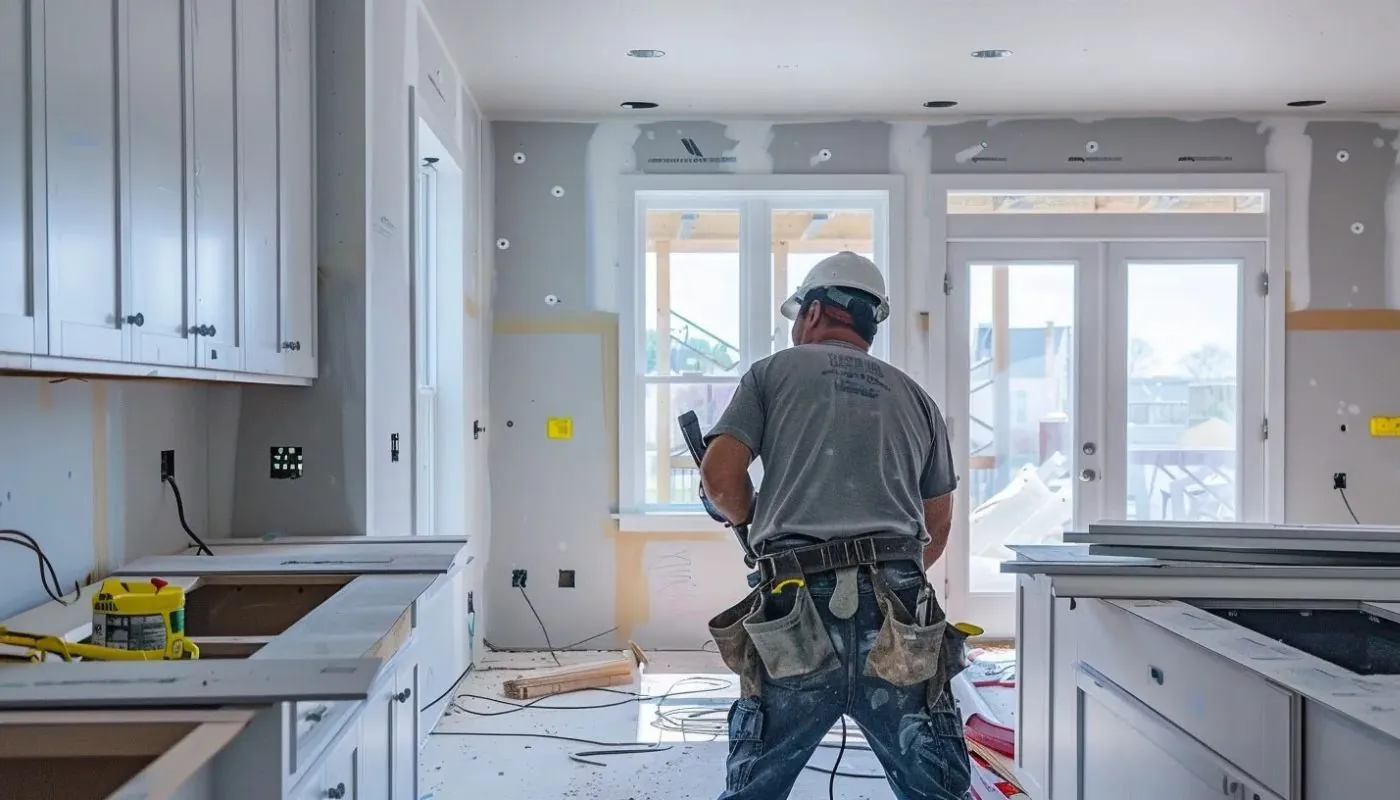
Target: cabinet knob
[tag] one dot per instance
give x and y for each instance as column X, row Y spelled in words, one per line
column 136, row 319
column 403, row 696
column 203, row 330
column 336, row 792
column 291, row 346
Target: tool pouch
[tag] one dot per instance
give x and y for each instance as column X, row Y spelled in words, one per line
column 734, row 645
column 794, row 644
column 907, row 651
column 951, row 661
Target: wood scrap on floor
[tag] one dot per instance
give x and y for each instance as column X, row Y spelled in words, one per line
column 593, row 675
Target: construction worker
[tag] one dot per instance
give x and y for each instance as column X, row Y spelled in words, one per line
column 856, row 503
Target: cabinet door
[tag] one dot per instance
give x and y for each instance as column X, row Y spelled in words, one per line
column 1128, row 752
column 22, row 273
column 403, row 735
column 258, row 201
column 345, row 762
column 375, row 773
column 80, row 81
column 157, row 283
column 218, row 304
column 296, row 98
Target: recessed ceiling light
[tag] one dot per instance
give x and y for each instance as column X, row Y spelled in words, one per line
column 991, row 54
column 1307, row 103
column 940, row 103
column 645, row 53
column 639, row 104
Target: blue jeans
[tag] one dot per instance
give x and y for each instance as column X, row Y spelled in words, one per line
column 772, row 737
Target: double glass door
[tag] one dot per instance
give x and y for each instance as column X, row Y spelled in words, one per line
column 1097, row 380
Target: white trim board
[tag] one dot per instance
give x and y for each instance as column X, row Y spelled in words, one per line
column 331, row 563
column 197, row 683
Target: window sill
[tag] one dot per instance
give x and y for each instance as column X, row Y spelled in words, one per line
column 667, row 522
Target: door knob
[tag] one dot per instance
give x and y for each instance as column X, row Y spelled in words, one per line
column 1089, row 448
column 1088, row 475
column 136, row 319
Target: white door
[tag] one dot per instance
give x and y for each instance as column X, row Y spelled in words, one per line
column 1184, row 430
column 1097, row 380
column 1023, row 325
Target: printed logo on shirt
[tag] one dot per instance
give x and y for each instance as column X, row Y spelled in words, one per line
column 857, row 375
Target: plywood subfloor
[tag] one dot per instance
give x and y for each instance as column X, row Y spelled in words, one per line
column 517, row 768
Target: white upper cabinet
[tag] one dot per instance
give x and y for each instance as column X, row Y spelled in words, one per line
column 22, row 303
column 80, row 115
column 157, row 210
column 258, row 187
column 218, row 307
column 296, row 134
column 158, row 284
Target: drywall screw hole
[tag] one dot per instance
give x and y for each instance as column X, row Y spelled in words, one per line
column 1344, row 429
column 551, row 299
column 1343, row 156
column 1091, row 147
column 518, row 158
column 824, row 155
column 503, row 244
column 1357, row 228
column 557, row 191
column 510, row 423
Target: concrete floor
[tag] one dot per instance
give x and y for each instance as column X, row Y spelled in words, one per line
column 457, row 767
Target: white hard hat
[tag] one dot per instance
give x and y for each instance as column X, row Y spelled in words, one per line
column 845, row 270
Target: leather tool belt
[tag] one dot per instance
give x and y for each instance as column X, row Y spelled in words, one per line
column 913, row 645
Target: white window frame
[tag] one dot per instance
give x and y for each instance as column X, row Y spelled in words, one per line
column 755, row 197
column 1269, row 228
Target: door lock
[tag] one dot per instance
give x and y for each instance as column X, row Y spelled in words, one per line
column 1088, row 475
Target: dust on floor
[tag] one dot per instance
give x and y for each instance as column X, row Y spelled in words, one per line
column 489, row 750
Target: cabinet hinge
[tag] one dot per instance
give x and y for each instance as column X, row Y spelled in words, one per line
column 947, row 284
column 1264, row 429
column 1264, row 283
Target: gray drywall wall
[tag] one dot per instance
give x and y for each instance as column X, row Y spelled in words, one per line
column 550, row 501
column 78, row 457
column 1338, row 380
column 1329, row 194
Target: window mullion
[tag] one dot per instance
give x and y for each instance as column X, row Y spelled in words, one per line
column 756, row 281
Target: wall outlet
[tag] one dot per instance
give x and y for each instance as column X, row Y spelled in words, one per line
column 566, row 579
column 167, row 464
column 517, row 578
column 286, row 463
column 1339, row 480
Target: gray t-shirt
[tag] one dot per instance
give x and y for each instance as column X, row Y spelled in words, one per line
column 850, row 445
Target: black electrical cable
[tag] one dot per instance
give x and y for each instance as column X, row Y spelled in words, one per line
column 1343, row 493
column 48, row 576
column 180, row 509
column 543, row 629
column 561, row 647
column 836, row 768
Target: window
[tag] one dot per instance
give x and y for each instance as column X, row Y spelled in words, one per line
column 708, row 274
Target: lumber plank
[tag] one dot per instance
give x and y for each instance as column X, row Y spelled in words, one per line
column 592, row 675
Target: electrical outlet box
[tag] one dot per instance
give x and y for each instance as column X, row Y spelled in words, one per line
column 167, row 464
column 517, row 578
column 286, row 463
column 1339, row 480
column 566, row 579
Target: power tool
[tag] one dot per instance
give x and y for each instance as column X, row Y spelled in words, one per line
column 131, row 621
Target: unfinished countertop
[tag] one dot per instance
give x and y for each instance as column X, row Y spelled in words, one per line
column 1371, row 700
column 1076, row 560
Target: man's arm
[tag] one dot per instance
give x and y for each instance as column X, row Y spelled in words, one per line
column 725, row 475
column 938, row 520
column 937, row 484
column 734, row 442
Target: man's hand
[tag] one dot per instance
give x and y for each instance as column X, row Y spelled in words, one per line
column 725, row 475
column 938, row 519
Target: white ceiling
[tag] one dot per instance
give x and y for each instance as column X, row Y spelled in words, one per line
column 565, row 59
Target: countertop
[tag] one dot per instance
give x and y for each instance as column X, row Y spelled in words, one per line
column 1075, row 559
column 1373, row 701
